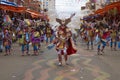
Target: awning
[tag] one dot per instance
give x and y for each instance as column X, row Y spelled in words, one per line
column 108, row 7
column 34, row 13
column 100, row 11
column 12, row 8
column 113, row 5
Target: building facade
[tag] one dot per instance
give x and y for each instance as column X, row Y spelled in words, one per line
column 45, row 4
column 30, row 4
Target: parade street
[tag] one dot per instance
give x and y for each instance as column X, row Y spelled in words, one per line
column 85, row 65
column 59, row 39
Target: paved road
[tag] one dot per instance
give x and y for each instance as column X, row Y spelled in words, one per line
column 85, row 65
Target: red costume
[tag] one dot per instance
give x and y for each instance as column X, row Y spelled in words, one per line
column 64, row 42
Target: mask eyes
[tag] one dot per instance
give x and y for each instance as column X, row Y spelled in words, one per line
column 63, row 22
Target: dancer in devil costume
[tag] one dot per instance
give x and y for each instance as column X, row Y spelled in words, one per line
column 63, row 40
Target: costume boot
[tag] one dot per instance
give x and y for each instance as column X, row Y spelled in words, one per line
column 60, row 59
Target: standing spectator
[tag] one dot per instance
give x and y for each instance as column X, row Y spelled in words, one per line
column 1, row 40
column 119, row 40
column 7, row 42
column 24, row 41
column 1, row 32
column 49, row 34
column 35, row 39
column 113, row 39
